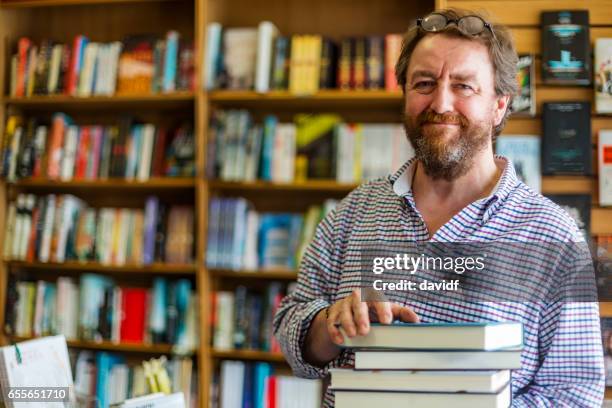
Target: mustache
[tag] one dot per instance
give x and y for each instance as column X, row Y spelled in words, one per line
column 442, row 118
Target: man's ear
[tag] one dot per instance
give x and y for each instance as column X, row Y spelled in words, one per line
column 502, row 104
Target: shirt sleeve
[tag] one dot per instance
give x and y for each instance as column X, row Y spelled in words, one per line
column 319, row 275
column 571, row 373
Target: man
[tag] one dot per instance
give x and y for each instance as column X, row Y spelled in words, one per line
column 457, row 73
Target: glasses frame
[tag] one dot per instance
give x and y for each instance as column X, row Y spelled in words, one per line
column 485, row 24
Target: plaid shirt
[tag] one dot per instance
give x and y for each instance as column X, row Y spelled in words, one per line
column 562, row 358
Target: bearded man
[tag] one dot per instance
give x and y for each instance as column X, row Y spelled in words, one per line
column 457, row 72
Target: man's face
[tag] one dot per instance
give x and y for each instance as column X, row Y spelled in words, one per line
column 450, row 106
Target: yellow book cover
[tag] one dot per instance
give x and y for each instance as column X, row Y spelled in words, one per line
column 293, row 64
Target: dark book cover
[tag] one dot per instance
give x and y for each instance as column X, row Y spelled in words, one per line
column 358, row 78
column 345, row 64
column 578, row 206
column 329, row 66
column 171, row 314
column 254, row 308
column 185, row 80
column 160, row 233
column 64, row 69
column 12, row 298
column 524, row 102
column 281, row 62
column 43, row 63
column 603, row 267
column 316, row 143
column 118, row 161
column 27, row 151
column 566, row 147
column 240, row 316
column 606, row 338
column 566, row 52
column 375, row 67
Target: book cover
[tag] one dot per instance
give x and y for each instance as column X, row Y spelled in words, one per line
column 603, row 75
column 135, row 70
column 282, row 59
column 566, row 56
column 524, row 102
column 393, row 48
column 524, row 152
column 375, row 67
column 328, row 65
column 604, row 154
column 578, row 206
column 239, row 57
column 566, row 144
column 606, row 335
column 266, row 36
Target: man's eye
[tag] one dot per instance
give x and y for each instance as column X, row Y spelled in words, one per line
column 464, row 87
column 424, row 84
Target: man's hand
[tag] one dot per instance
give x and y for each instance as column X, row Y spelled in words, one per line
column 354, row 316
column 323, row 337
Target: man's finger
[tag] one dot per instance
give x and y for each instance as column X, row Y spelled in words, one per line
column 383, row 312
column 346, row 320
column 405, row 314
column 360, row 314
column 332, row 329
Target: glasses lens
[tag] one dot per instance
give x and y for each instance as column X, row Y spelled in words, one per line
column 434, row 22
column 471, row 25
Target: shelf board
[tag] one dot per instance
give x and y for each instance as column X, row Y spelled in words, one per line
column 248, row 355
column 605, row 309
column 568, row 184
column 288, row 274
column 54, row 3
column 56, row 102
column 608, row 392
column 157, row 268
column 304, row 186
column 157, row 183
column 110, row 346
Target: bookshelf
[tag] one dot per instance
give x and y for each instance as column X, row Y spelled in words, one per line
column 106, row 20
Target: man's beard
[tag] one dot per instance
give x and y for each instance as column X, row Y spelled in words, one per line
column 444, row 157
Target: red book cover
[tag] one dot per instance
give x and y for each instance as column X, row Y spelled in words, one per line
column 271, row 392
column 393, row 47
column 133, row 315
column 80, row 167
column 93, row 161
column 159, row 153
column 23, row 48
column 72, row 79
column 55, row 146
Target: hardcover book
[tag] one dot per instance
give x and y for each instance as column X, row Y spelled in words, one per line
column 603, row 75
column 578, row 206
column 566, row 146
column 606, row 336
column 524, row 153
column 524, row 102
column 566, row 47
column 604, row 154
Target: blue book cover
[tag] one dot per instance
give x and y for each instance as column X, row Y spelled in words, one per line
column 262, row 372
column 212, row 248
column 170, row 61
column 104, row 364
column 267, row 150
column 182, row 293
column 157, row 318
column 92, row 292
column 151, row 214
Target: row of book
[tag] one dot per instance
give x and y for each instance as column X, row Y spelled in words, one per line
column 141, row 64
column 261, row 58
column 103, row 379
column 241, row 384
column 62, row 150
column 430, row 364
column 313, row 146
column 241, row 238
column 606, row 337
column 58, row 228
column 603, row 267
column 242, row 318
column 96, row 308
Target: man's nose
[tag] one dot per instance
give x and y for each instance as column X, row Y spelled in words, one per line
column 442, row 99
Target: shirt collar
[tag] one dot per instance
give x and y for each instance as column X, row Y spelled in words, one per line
column 401, row 181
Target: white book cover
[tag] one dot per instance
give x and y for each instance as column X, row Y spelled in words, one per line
column 24, row 239
column 113, row 64
column 85, row 373
column 232, row 383
column 266, row 35
column 239, row 57
column 604, row 152
column 524, row 153
column 212, row 54
column 283, row 162
column 224, row 326
column 146, row 152
column 45, row 246
column 345, row 154
column 54, row 68
column 87, row 75
column 250, row 261
column 101, row 69
column 18, row 230
column 71, row 142
column 39, row 307
column 603, row 75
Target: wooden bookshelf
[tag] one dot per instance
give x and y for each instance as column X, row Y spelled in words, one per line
column 605, row 309
column 259, row 274
column 17, row 4
column 60, row 102
column 157, row 183
column 249, row 355
column 608, row 394
column 156, row 268
column 111, row 346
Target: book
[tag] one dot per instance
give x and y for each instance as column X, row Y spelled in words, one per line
column 578, row 206
column 363, row 399
column 266, row 37
column 524, row 102
column 453, row 336
column 239, row 57
column 524, row 152
column 604, row 154
column 456, row 381
column 566, row 48
column 213, row 61
column 566, row 143
column 603, row 75
column 506, row 359
column 606, row 337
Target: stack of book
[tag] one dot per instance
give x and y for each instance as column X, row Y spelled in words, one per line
column 431, row 365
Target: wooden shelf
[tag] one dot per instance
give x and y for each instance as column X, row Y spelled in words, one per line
column 57, row 102
column 605, row 309
column 54, row 3
column 288, row 274
column 157, row 268
column 305, row 186
column 608, row 392
column 110, row 346
column 157, row 183
column 568, row 184
column 249, row 355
